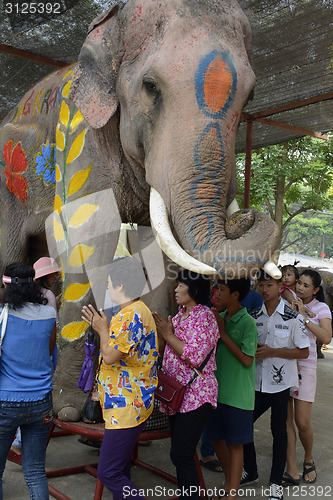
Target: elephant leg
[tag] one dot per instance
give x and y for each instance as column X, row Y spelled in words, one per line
column 68, row 399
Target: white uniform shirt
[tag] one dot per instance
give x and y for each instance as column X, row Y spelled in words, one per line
column 284, row 329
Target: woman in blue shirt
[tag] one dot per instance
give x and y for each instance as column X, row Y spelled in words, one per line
column 25, row 375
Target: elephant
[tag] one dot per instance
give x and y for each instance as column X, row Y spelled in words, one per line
column 140, row 130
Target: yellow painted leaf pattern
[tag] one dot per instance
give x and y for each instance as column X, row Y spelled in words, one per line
column 76, row 291
column 64, row 113
column 80, row 255
column 83, row 214
column 76, row 121
column 66, row 89
column 58, row 173
column 78, row 180
column 60, row 138
column 58, row 230
column 76, row 147
column 57, row 206
column 74, row 330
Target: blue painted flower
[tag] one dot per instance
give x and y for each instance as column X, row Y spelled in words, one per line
column 45, row 162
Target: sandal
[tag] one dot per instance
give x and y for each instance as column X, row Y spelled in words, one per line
column 213, row 465
column 307, row 468
column 287, row 479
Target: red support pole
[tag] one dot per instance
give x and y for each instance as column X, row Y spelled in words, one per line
column 247, row 181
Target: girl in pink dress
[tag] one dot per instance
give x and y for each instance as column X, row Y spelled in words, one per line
column 310, row 296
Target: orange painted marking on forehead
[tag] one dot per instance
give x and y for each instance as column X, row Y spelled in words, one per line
column 217, row 84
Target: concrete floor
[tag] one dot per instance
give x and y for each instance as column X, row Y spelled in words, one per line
column 67, row 451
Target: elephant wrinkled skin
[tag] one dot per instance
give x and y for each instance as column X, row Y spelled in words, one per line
column 152, row 105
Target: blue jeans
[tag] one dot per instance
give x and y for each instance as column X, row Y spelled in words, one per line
column 34, row 418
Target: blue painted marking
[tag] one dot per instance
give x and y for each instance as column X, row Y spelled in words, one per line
column 199, row 202
column 194, row 231
column 197, row 160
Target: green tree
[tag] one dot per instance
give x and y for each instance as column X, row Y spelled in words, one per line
column 310, row 234
column 289, row 179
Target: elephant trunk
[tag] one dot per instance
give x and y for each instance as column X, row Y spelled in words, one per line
column 234, row 250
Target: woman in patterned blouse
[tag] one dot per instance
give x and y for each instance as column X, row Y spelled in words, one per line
column 127, row 376
column 186, row 340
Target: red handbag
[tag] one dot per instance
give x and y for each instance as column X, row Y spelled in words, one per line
column 169, row 391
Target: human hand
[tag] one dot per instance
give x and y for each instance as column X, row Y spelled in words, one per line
column 309, row 313
column 96, row 319
column 298, row 305
column 263, row 351
column 220, row 321
column 164, row 328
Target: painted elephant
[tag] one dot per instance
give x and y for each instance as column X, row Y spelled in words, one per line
column 141, row 129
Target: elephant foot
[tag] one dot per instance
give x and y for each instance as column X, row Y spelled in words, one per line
column 239, row 223
column 69, row 414
column 67, row 404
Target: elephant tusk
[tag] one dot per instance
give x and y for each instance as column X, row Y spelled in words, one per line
column 232, row 208
column 272, row 270
column 165, row 239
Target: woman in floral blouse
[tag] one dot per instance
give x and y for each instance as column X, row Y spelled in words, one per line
column 186, row 341
column 127, row 376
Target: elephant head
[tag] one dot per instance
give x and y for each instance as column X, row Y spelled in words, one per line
column 148, row 114
column 176, row 75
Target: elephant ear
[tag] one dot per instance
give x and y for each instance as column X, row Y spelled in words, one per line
column 93, row 88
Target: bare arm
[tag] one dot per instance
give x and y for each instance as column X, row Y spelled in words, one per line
column 287, row 295
column 165, row 332
column 264, row 351
column 323, row 331
column 100, row 323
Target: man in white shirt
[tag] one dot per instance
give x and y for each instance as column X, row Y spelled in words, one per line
column 282, row 339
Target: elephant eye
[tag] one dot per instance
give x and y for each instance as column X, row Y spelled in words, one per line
column 150, row 87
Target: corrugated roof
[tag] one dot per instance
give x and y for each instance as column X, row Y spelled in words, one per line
column 292, row 57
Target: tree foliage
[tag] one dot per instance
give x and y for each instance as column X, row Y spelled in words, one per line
column 309, row 234
column 289, row 179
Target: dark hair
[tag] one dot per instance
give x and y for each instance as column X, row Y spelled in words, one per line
column 316, row 281
column 241, row 285
column 16, row 295
column 292, row 268
column 130, row 273
column 263, row 276
column 198, row 285
column 42, row 281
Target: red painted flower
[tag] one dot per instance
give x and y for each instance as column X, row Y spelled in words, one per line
column 16, row 163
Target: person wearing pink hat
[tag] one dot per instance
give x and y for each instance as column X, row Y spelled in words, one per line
column 46, row 274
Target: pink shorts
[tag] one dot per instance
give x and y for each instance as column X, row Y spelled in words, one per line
column 307, row 384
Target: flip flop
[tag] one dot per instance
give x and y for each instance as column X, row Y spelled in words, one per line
column 288, row 479
column 213, row 465
column 307, row 468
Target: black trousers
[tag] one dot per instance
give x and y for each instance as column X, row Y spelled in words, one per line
column 278, row 402
column 186, row 429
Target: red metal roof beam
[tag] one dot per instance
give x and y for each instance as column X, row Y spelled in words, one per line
column 32, row 57
column 298, row 130
column 288, row 107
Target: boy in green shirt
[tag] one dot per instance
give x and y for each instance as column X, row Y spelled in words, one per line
column 231, row 425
